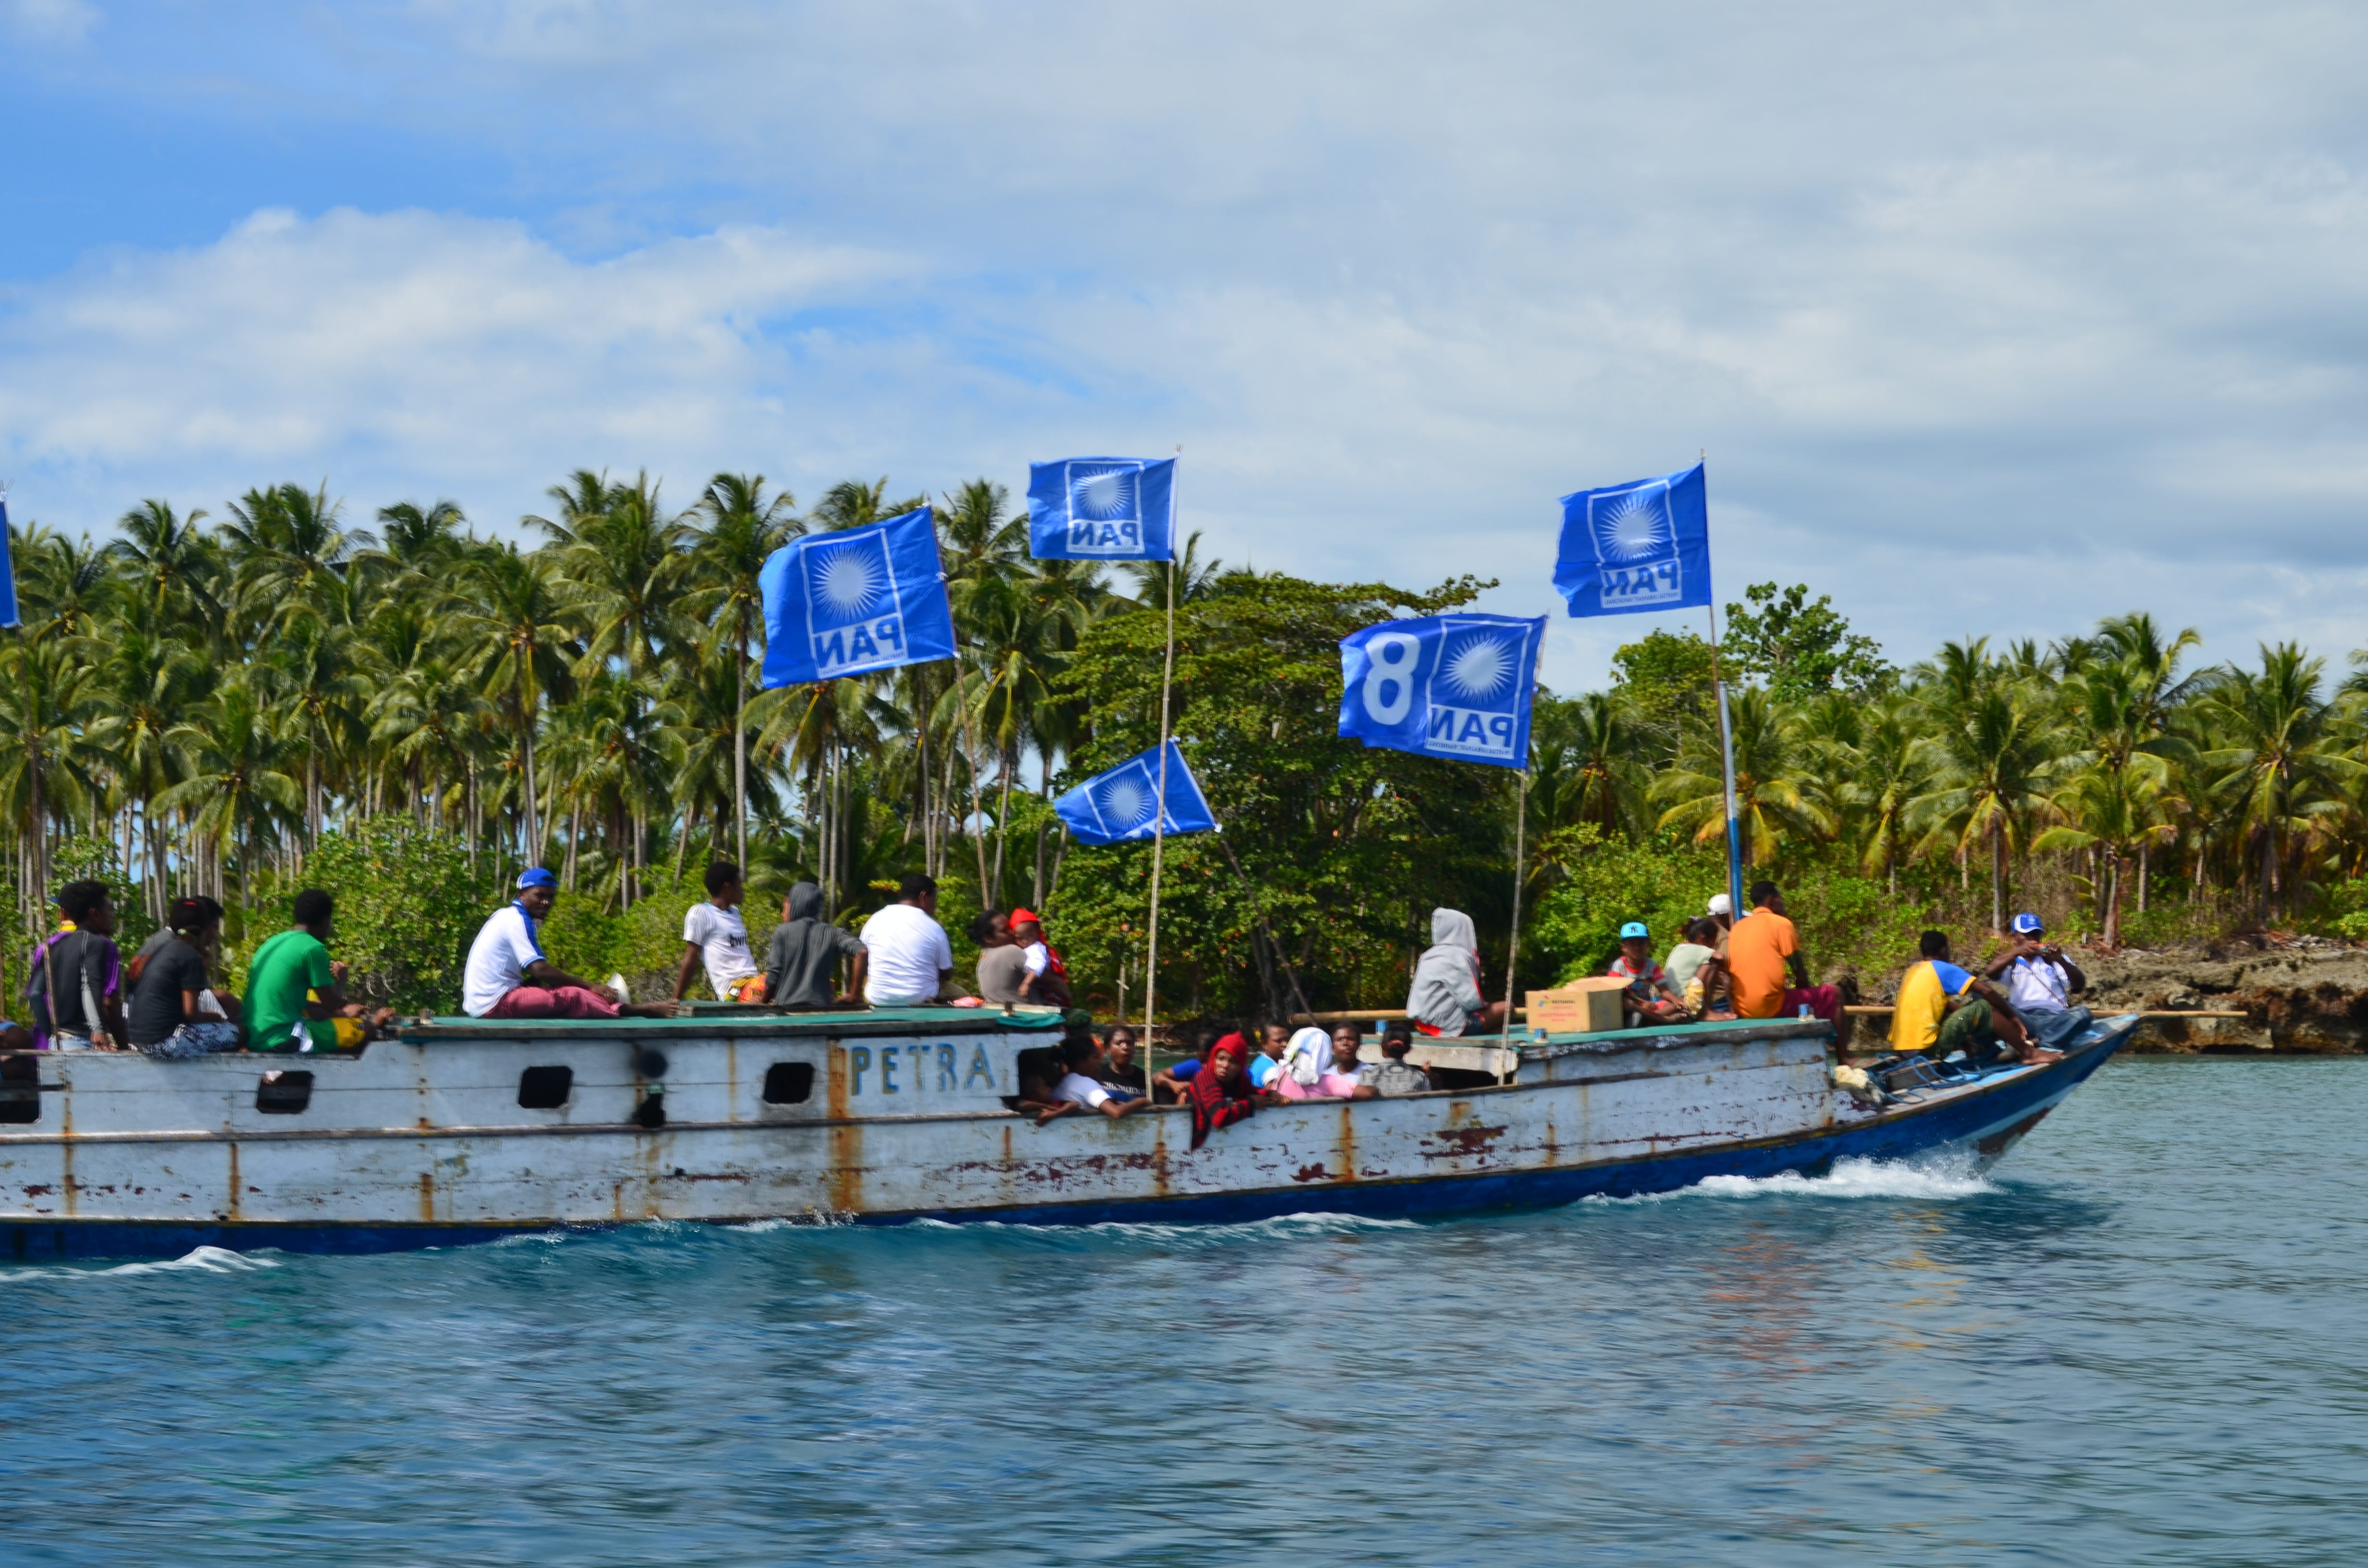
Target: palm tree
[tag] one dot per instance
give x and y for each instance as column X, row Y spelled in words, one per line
column 623, row 562
column 45, row 757
column 1587, row 767
column 512, row 614
column 1994, row 756
column 313, row 674
column 291, row 552
column 2111, row 811
column 146, row 685
column 415, row 541
column 1768, row 801
column 170, row 557
column 851, row 504
column 742, row 527
column 426, row 718
column 1889, row 771
column 2279, row 754
column 240, row 792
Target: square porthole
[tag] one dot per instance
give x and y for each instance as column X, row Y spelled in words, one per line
column 789, row 1082
column 285, row 1093
column 545, row 1088
column 20, row 1089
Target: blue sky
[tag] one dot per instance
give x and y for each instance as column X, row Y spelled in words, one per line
column 1992, row 320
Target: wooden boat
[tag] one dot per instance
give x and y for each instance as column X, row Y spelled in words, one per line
column 465, row 1129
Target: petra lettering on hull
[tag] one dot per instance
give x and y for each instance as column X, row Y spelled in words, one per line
column 905, row 1069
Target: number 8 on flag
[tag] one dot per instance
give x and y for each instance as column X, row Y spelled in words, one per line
column 1448, row 686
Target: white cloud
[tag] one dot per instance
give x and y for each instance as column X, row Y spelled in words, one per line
column 51, row 21
column 1991, row 321
column 413, row 351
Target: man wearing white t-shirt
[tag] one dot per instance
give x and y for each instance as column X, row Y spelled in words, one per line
column 715, row 932
column 1081, row 1089
column 507, row 977
column 909, row 959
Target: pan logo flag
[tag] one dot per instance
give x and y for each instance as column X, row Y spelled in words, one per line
column 1451, row 685
column 1636, row 547
column 1102, row 509
column 1120, row 804
column 7, row 570
column 864, row 599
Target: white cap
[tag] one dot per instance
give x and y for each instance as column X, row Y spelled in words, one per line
column 1721, row 904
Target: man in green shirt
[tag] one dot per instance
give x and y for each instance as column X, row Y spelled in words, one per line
column 296, row 995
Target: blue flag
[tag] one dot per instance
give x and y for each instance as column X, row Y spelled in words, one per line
column 8, row 571
column 1636, row 547
column 1118, row 804
column 868, row 598
column 1102, row 509
column 1451, row 685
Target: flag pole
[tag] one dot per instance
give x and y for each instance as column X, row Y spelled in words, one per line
column 1513, row 956
column 1726, row 750
column 1159, row 817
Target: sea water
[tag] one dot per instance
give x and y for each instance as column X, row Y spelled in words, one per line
column 2140, row 1340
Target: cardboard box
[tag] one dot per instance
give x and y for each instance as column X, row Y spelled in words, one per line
column 1584, row 1007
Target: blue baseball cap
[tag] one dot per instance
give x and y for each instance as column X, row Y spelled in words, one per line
column 2026, row 925
column 1634, row 928
column 536, row 876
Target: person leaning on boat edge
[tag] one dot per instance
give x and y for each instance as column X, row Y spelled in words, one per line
column 912, row 961
column 2041, row 983
column 802, row 957
column 296, row 993
column 1942, row 1008
column 507, row 976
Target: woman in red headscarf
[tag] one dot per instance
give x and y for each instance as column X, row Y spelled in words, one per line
column 1220, row 1093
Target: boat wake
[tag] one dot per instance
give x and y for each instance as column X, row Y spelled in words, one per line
column 1849, row 1178
column 202, row 1260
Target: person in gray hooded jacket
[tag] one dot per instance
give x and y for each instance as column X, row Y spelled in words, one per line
column 805, row 948
column 1445, row 996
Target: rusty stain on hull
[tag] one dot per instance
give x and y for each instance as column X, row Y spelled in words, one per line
column 234, row 1181
column 846, row 1171
column 1463, row 1143
column 428, row 1197
column 1347, row 1142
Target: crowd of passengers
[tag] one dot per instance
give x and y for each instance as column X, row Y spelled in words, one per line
column 166, row 1001
column 1729, row 969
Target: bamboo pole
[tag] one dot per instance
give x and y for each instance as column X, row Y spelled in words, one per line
column 1159, row 833
column 1513, row 953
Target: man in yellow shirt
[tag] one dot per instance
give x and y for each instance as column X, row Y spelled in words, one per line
column 1942, row 1008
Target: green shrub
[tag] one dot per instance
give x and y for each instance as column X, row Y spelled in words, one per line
column 1662, row 881
column 407, row 909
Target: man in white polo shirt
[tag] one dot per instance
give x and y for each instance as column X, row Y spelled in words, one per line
column 909, row 959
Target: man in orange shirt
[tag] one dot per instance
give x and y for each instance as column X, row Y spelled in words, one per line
column 1761, row 950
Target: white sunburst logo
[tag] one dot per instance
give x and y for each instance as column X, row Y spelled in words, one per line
column 1125, row 802
column 1634, row 527
column 1101, row 493
column 850, row 581
column 1478, row 670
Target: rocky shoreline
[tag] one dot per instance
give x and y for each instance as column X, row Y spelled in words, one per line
column 2301, row 997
